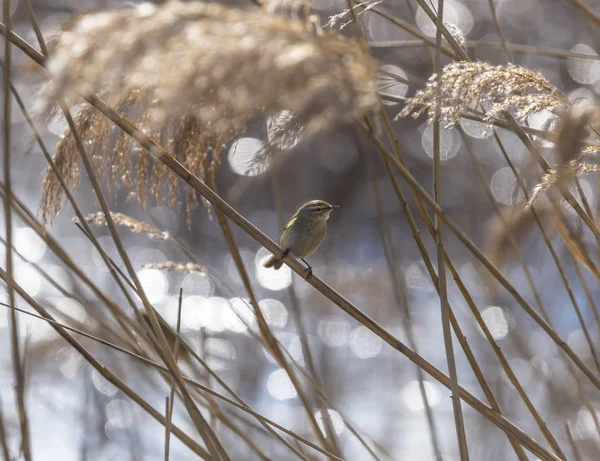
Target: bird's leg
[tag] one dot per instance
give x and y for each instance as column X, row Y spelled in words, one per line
column 285, row 253
column 308, row 270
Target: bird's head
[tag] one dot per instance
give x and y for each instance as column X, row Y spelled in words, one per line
column 316, row 210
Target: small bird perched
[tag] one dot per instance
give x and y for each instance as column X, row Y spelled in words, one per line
column 303, row 233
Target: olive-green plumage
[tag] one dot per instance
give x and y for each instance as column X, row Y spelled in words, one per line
column 304, row 232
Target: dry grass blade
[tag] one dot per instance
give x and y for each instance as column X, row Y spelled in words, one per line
column 463, row 85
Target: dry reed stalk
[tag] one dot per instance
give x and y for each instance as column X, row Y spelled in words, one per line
column 400, row 292
column 418, row 189
column 17, row 366
column 302, row 334
column 267, row 335
column 71, row 200
column 106, row 373
column 441, row 260
column 428, row 264
column 149, row 230
column 542, row 225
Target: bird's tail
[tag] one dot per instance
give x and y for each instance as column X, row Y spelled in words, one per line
column 273, row 262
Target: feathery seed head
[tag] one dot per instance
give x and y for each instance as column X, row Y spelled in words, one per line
column 191, row 75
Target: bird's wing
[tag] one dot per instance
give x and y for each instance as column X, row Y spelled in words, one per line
column 289, row 224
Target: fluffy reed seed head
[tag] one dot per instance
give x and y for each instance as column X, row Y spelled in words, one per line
column 203, row 70
column 466, row 85
column 569, row 135
column 175, row 266
column 134, row 225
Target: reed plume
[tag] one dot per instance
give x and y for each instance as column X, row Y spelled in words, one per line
column 465, row 85
column 192, row 75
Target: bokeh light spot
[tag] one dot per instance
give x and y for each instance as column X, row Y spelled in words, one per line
column 450, row 142
column 505, row 188
column 29, row 244
column 275, row 312
column 336, row 421
column 334, row 331
column 412, row 395
column 364, row 344
column 388, row 85
column 270, row 278
column 280, row 386
column 496, row 320
column 155, row 284
column 243, row 154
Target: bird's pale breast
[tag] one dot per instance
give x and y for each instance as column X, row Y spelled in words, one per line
column 304, row 237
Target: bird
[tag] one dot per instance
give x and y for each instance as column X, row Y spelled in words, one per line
column 303, row 233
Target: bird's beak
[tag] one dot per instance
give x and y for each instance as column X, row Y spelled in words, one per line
column 334, row 206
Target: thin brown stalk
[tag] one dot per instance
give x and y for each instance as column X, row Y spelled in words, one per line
column 413, row 31
column 499, row 31
column 14, row 326
column 529, row 49
column 105, row 325
column 121, row 319
column 167, row 428
column 588, row 294
column 428, row 264
column 576, row 453
column 171, row 333
column 556, row 259
column 349, row 308
column 265, row 332
column 508, row 233
column 210, row 439
column 531, row 147
column 443, row 294
column 468, row 243
column 171, row 397
column 587, row 11
column 302, row 335
column 163, row 369
column 3, row 439
column 105, row 372
column 400, row 288
column 198, row 185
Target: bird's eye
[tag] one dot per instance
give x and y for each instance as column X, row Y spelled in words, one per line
column 318, row 210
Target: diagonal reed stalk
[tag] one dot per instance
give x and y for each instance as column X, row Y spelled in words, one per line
column 561, row 271
column 105, row 372
column 210, row 439
column 400, row 288
column 18, row 372
column 188, row 349
column 428, row 264
column 265, row 332
column 302, row 334
column 442, row 291
column 468, row 243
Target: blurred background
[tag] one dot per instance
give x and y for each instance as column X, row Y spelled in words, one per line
column 76, row 414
